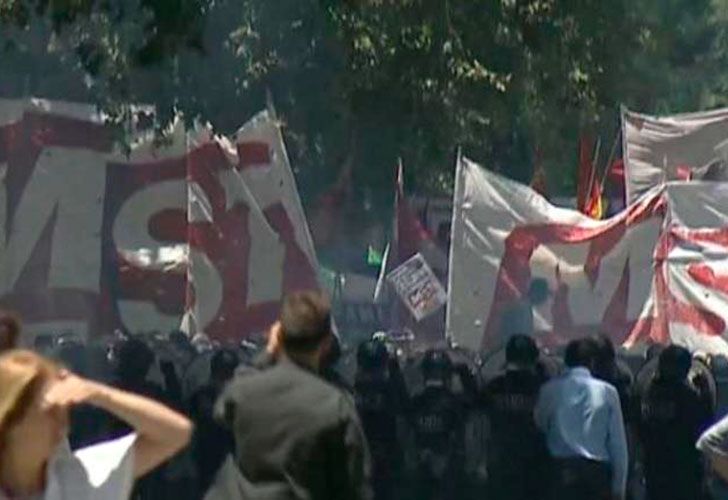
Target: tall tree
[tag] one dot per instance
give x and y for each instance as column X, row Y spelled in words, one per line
column 367, row 81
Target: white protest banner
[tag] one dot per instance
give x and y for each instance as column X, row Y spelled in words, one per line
column 657, row 272
column 660, row 149
column 95, row 238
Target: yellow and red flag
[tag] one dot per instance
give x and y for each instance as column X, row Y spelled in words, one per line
column 589, row 200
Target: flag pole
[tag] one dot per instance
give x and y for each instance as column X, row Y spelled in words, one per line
column 610, row 160
column 395, row 317
column 270, row 104
column 594, row 165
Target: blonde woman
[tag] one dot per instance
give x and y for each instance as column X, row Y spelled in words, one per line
column 35, row 462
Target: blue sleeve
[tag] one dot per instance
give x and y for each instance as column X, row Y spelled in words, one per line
column 617, row 445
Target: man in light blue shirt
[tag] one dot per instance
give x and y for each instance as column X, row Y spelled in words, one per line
column 581, row 418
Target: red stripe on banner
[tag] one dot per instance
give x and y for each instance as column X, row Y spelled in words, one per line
column 253, row 154
column 54, row 130
column 203, row 165
column 169, row 225
column 677, row 311
column 703, row 274
column 714, row 236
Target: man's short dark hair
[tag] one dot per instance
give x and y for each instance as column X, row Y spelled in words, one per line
column 521, row 350
column 305, row 321
column 606, row 352
column 581, row 352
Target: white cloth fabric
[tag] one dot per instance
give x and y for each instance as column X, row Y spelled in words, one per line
column 715, row 439
column 658, row 149
column 100, row 472
column 655, row 272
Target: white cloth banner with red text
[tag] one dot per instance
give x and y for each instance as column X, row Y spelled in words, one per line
column 657, row 272
column 97, row 238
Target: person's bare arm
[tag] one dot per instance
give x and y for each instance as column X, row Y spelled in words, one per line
column 161, row 432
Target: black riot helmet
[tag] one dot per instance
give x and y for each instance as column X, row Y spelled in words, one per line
column 522, row 350
column 437, row 365
column 674, row 364
column 223, row 364
column 371, row 355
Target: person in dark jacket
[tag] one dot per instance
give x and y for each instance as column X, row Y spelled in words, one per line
column 296, row 435
column 381, row 398
column 672, row 417
column 516, row 444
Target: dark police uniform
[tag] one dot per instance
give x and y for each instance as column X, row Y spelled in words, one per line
column 381, row 400
column 212, row 442
column 672, row 417
column 437, row 417
column 516, row 443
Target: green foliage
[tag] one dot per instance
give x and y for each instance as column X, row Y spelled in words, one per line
column 368, row 81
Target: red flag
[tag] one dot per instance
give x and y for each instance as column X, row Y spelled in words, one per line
column 411, row 234
column 329, row 210
column 588, row 184
column 616, row 173
column 585, row 175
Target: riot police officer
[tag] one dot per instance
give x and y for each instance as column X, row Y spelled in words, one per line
column 672, row 416
column 516, row 444
column 381, row 396
column 438, row 416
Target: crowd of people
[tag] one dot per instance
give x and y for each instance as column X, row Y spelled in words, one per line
column 279, row 421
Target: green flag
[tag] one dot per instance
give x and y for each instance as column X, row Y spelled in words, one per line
column 374, row 257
